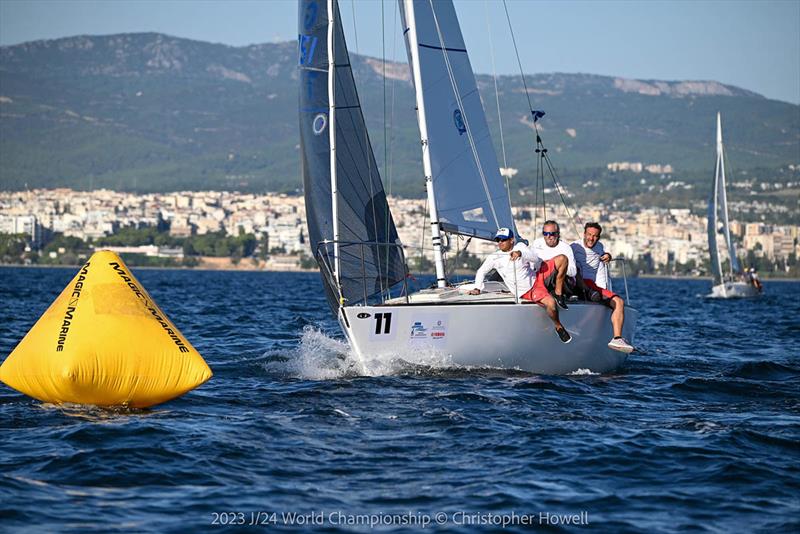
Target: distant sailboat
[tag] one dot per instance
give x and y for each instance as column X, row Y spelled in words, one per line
column 735, row 283
column 353, row 235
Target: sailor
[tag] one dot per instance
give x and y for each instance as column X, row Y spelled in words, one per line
column 752, row 275
column 523, row 273
column 557, row 260
column 592, row 261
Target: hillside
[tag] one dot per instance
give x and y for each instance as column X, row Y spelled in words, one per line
column 149, row 112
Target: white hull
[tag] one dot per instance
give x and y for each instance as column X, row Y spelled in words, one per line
column 485, row 334
column 734, row 290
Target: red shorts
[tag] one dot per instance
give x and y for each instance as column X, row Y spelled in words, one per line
column 539, row 291
column 607, row 295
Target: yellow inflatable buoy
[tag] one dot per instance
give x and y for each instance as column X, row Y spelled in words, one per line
column 104, row 341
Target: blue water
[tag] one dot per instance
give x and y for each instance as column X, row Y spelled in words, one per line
column 701, row 431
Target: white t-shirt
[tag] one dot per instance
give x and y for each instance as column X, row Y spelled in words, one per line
column 519, row 274
column 545, row 252
column 589, row 263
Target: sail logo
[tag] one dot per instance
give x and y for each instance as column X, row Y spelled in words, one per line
column 458, row 120
column 319, row 123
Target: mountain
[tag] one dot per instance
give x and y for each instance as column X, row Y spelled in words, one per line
column 150, row 112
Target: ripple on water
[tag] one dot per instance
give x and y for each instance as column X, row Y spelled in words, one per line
column 700, row 430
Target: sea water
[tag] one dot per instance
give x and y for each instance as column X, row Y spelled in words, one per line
column 700, row 430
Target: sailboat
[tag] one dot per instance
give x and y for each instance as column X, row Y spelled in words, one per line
column 353, row 234
column 735, row 283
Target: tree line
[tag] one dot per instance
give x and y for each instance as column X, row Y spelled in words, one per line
column 58, row 249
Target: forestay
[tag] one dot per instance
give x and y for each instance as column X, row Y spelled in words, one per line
column 470, row 195
column 362, row 270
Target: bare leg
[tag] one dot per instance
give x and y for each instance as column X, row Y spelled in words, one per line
column 561, row 262
column 618, row 315
column 549, row 305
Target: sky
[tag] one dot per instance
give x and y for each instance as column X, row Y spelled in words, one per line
column 754, row 45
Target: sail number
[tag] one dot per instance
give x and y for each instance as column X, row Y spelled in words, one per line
column 308, row 43
column 383, row 323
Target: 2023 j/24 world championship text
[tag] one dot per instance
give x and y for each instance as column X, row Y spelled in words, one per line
column 410, row 518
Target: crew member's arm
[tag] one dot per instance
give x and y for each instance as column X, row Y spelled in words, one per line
column 572, row 268
column 528, row 254
column 483, row 270
column 605, row 257
column 580, row 258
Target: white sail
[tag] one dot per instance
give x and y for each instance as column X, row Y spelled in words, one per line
column 470, row 196
column 718, row 210
column 723, row 202
column 712, row 225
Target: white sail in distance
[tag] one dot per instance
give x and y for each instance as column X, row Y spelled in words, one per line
column 718, row 206
column 470, row 195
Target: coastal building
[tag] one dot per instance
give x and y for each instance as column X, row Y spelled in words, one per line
column 663, row 236
column 22, row 224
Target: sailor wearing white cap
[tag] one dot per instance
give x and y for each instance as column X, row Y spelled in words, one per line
column 517, row 265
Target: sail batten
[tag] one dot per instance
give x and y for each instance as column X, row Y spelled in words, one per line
column 351, row 230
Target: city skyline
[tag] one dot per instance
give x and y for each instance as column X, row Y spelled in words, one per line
column 660, row 235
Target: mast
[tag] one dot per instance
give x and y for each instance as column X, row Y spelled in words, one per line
column 332, row 140
column 436, row 237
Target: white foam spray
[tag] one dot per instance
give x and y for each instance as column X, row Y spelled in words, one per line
column 321, row 357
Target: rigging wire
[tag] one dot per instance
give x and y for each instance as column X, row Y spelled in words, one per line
column 557, row 184
column 422, row 240
column 394, row 87
column 539, row 186
column 459, row 252
column 389, row 144
column 497, row 100
column 383, row 65
column 387, row 255
column 355, row 28
column 519, row 62
column 541, row 151
column 369, row 156
column 383, row 68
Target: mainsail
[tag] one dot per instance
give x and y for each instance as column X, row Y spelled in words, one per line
column 713, row 246
column 718, row 204
column 470, row 195
column 351, row 209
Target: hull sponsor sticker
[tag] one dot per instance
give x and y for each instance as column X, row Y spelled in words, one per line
column 428, row 330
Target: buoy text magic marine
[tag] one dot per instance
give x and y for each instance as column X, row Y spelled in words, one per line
column 73, row 304
column 153, row 310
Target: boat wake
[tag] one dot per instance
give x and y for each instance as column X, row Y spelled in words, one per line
column 317, row 357
column 321, row 357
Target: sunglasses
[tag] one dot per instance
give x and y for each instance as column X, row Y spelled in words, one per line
column 548, row 234
column 499, row 239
